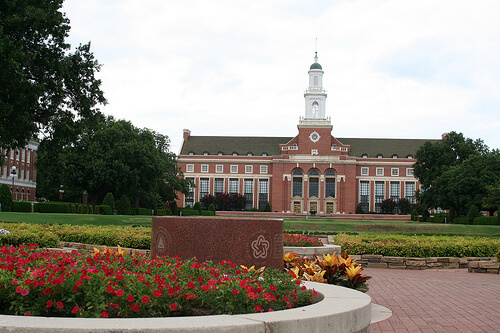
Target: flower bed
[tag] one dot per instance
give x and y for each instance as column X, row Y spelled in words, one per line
column 418, row 246
column 300, row 240
column 108, row 284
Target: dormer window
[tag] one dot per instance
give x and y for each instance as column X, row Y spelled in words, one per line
column 365, row 155
column 264, row 154
column 410, row 156
column 249, row 153
column 191, row 153
column 205, row 153
column 220, row 153
column 235, row 153
column 380, row 156
column 394, row 155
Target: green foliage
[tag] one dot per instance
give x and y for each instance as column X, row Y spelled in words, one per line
column 425, row 215
column 418, row 246
column 359, row 209
column 207, row 213
column 44, row 87
column 197, row 206
column 436, row 219
column 174, row 208
column 109, row 200
column 163, row 212
column 21, row 206
column 404, row 206
column 207, row 200
column 472, row 214
column 123, row 207
column 5, row 198
column 211, row 208
column 498, row 255
column 461, row 220
column 486, row 220
column 72, row 209
column 51, row 207
column 141, row 211
column 85, row 209
column 491, row 202
column 388, row 206
column 451, row 215
column 188, row 212
column 105, row 210
column 414, row 215
column 267, row 207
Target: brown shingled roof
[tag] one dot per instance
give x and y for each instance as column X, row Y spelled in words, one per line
column 270, row 145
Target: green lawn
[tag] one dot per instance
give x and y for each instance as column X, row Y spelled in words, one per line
column 315, row 225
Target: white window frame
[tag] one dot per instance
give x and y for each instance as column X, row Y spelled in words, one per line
column 365, row 171
column 234, row 169
column 314, row 152
column 379, row 171
column 190, row 168
column 409, row 172
column 219, row 168
column 204, row 166
column 263, row 169
column 395, row 172
column 248, row 168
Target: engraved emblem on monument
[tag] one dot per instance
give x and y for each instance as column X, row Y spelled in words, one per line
column 260, row 247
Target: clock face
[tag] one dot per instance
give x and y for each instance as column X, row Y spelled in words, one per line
column 314, row 137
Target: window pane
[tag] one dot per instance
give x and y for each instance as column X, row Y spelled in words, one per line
column 297, row 187
column 330, row 187
column 314, row 187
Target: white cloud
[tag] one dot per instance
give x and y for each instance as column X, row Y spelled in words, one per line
column 393, row 68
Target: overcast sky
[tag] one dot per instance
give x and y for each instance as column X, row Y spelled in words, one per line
column 393, row 68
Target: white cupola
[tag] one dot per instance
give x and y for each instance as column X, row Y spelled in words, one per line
column 315, row 95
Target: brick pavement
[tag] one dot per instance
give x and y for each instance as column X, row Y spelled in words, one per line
column 446, row 300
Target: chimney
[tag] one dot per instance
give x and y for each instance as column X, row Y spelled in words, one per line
column 186, row 133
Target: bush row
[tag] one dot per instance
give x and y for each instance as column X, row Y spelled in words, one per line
column 482, row 220
column 48, row 235
column 418, row 246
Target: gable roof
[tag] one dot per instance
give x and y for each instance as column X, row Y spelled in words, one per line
column 270, row 145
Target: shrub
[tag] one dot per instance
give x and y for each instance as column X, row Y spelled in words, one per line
column 142, row 211
column 197, row 206
column 300, row 240
column 105, row 210
column 91, row 209
column 460, row 220
column 498, row 255
column 174, row 208
column 72, row 209
column 414, row 215
column 451, row 215
column 21, row 206
column 207, row 200
column 472, row 214
column 359, row 209
column 52, row 207
column 163, row 212
column 436, row 219
column 109, row 200
column 267, row 207
column 5, row 198
column 189, row 212
column 85, row 209
column 425, row 215
column 404, row 206
column 211, row 208
column 123, row 206
column 486, row 220
column 207, row 213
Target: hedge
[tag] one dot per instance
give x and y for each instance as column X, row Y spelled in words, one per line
column 51, row 207
column 418, row 246
column 207, row 213
column 189, row 212
column 487, row 220
column 436, row 219
column 460, row 220
column 21, row 206
column 142, row 211
column 163, row 212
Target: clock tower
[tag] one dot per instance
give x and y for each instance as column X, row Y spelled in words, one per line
column 315, row 95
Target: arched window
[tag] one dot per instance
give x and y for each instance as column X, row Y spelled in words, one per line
column 235, row 153
column 394, row 156
column 365, row 155
column 314, row 183
column 249, row 153
column 330, row 183
column 264, row 154
column 315, row 109
column 205, row 152
column 220, row 153
column 191, row 153
column 297, row 183
column 380, row 156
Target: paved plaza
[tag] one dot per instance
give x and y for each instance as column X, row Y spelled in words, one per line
column 446, row 300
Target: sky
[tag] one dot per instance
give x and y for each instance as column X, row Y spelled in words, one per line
column 392, row 68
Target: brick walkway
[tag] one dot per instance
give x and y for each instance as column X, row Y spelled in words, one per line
column 447, row 300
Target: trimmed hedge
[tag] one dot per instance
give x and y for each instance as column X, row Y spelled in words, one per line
column 189, row 212
column 436, row 219
column 460, row 220
column 487, row 220
column 51, row 207
column 21, row 206
column 418, row 246
column 207, row 213
column 142, row 211
column 163, row 212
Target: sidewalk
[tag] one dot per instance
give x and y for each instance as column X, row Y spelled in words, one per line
column 445, row 300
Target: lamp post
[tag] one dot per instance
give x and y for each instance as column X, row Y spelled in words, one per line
column 13, row 174
column 61, row 192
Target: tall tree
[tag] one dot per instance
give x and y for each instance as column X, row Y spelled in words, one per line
column 42, row 83
column 114, row 157
column 434, row 158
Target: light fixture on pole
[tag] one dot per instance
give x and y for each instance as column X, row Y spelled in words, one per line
column 13, row 174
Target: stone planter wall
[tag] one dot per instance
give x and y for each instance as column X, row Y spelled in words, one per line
column 491, row 267
column 379, row 261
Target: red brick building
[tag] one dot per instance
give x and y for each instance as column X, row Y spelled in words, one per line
column 19, row 171
column 313, row 171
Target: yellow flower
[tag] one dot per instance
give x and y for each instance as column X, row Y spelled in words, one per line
column 318, row 277
column 248, row 269
column 330, row 260
column 352, row 271
column 347, row 262
column 296, row 272
column 122, row 252
column 290, row 256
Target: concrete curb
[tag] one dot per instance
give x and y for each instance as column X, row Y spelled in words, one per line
column 313, row 250
column 341, row 310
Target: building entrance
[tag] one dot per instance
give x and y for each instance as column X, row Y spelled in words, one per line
column 329, row 207
column 297, row 209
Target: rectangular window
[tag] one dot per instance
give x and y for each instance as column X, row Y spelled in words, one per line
column 297, row 187
column 263, row 193
column 248, row 192
column 380, row 171
column 204, row 187
column 189, row 199
column 190, row 168
column 248, row 168
column 219, row 168
column 364, row 195
column 234, row 186
column 364, row 171
column 314, row 152
column 410, row 192
column 28, row 158
column 409, row 172
column 204, row 168
column 263, row 169
column 22, row 155
column 379, row 195
column 218, row 186
column 394, row 192
column 330, row 187
column 314, row 187
column 234, row 169
column 394, row 172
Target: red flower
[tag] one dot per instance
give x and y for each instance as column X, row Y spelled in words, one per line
column 235, row 291
column 145, row 299
column 130, row 298
column 25, row 292
column 47, row 291
column 258, row 308
column 27, row 313
column 49, row 304
column 272, row 287
column 119, row 292
column 156, row 293
column 173, row 307
column 75, row 309
column 60, row 305
column 104, row 314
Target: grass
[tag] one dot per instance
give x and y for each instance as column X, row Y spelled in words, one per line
column 315, row 225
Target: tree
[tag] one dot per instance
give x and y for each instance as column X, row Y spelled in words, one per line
column 123, row 206
column 466, row 184
column 109, row 200
column 197, row 206
column 207, row 200
column 388, row 206
column 42, row 83
column 472, row 214
column 404, row 206
column 491, row 202
column 111, row 156
column 5, row 198
column 435, row 158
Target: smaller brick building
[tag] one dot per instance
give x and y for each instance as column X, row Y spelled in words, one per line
column 22, row 182
column 313, row 171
